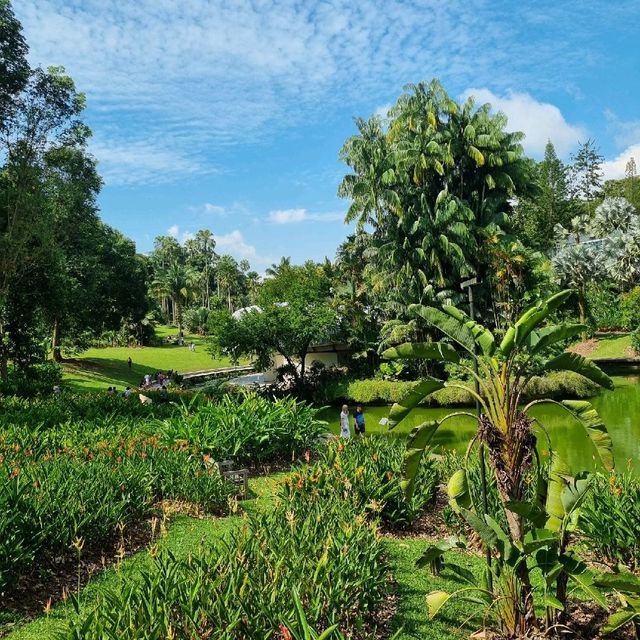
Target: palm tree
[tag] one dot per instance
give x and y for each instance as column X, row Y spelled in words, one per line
column 279, row 268
column 177, row 282
column 501, row 374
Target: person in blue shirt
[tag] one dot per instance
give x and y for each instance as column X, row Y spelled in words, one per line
column 359, row 421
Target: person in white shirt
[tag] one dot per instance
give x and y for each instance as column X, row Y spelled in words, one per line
column 345, row 431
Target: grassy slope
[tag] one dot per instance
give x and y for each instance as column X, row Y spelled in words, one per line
column 612, row 347
column 101, row 368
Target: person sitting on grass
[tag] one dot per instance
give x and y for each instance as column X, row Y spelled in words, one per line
column 127, row 392
column 164, row 396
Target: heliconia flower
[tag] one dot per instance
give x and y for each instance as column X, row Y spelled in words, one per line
column 286, row 635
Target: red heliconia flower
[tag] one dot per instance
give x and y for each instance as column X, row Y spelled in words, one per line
column 286, row 635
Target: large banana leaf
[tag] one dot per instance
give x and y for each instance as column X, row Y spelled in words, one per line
column 401, row 409
column 483, row 337
column 579, row 364
column 454, row 329
column 542, row 338
column 565, row 493
column 428, row 350
column 419, row 439
column 529, row 320
column 589, row 418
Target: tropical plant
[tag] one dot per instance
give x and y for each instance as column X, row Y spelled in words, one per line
column 610, row 519
column 178, row 283
column 367, row 473
column 536, row 530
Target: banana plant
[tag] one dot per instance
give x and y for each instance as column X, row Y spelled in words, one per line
column 502, row 371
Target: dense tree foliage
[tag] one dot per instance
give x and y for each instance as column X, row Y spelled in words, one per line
column 294, row 312
column 434, row 187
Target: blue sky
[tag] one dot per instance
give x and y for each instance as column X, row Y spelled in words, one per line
column 229, row 115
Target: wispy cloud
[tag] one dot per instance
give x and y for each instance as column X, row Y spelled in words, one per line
column 183, row 79
column 292, row 216
column 539, row 121
column 615, row 168
column 180, row 236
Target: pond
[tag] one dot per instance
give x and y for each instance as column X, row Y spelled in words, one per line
column 619, row 409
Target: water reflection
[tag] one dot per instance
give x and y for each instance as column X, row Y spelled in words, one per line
column 619, row 410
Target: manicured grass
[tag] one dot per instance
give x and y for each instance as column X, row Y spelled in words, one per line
column 185, row 535
column 612, row 347
column 105, row 367
column 411, row 619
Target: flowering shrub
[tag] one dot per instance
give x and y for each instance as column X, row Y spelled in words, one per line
column 50, row 497
column 325, row 553
column 610, row 519
column 366, row 472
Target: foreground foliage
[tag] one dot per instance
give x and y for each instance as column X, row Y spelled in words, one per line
column 537, row 530
column 324, row 552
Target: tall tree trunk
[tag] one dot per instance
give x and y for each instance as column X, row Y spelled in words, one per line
column 55, row 342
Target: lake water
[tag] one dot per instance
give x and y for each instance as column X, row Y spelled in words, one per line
column 619, row 409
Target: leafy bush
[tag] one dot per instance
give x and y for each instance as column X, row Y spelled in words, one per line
column 59, row 409
column 610, row 519
column 247, row 429
column 603, row 305
column 48, row 498
column 324, row 553
column 635, row 340
column 562, row 384
column 35, row 380
column 630, row 309
column 366, row 472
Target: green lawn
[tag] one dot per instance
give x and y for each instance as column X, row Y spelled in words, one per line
column 612, row 347
column 101, row 368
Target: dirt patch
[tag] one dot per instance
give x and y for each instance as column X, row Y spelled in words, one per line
column 585, row 348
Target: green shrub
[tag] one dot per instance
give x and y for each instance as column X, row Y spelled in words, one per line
column 48, row 498
column 630, row 309
column 635, row 340
column 34, row 381
column 561, row 384
column 366, row 472
column 247, row 428
column 610, row 519
column 604, row 308
column 325, row 553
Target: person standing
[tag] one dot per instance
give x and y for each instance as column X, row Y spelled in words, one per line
column 358, row 422
column 129, row 362
column 345, row 431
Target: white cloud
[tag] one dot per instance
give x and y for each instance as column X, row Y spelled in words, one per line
column 234, row 244
column 539, row 121
column 174, row 232
column 214, row 208
column 289, row 216
column 615, row 169
column 189, row 78
column 140, row 162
